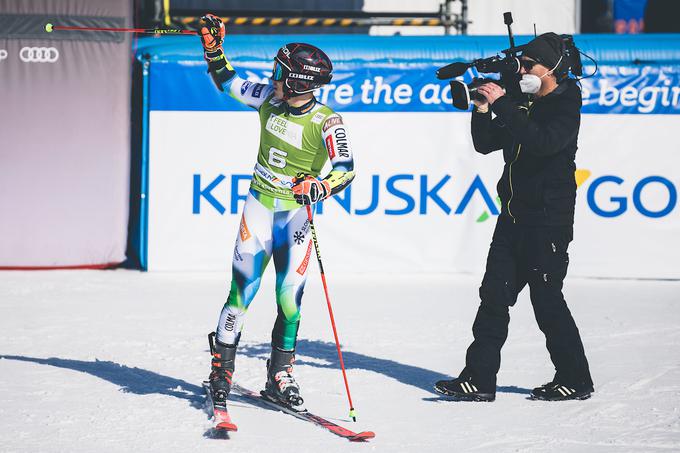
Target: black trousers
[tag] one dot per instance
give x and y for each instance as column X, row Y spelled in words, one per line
column 523, row 255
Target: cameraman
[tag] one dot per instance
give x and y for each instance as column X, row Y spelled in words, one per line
column 529, row 246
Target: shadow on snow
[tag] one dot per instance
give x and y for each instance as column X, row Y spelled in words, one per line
column 143, row 382
column 414, row 376
column 130, row 380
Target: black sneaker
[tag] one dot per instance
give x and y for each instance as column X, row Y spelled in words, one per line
column 462, row 389
column 554, row 391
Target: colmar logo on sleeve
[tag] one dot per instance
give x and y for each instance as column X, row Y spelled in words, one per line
column 340, row 138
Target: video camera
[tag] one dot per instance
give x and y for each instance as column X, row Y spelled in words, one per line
column 507, row 66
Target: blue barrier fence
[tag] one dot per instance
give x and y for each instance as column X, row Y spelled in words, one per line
column 637, row 75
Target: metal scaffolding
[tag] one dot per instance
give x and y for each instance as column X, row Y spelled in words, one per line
column 453, row 22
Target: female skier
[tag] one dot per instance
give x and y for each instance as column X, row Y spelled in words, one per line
column 298, row 136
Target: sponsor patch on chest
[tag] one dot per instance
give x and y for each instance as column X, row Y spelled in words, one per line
column 286, row 130
column 318, row 118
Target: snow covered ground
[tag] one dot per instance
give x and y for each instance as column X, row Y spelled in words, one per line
column 112, row 361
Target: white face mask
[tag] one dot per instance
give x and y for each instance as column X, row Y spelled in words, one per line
column 531, row 84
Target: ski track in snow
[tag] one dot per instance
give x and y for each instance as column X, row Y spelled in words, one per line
column 112, row 361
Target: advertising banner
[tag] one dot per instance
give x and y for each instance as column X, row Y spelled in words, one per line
column 613, row 89
column 64, row 135
column 423, row 200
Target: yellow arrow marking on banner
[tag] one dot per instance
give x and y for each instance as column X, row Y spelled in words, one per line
column 581, row 176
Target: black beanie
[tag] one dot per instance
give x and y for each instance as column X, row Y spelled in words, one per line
column 545, row 49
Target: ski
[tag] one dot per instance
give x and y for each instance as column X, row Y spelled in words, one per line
column 306, row 416
column 221, row 419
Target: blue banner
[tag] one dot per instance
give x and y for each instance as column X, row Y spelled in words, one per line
column 413, row 88
column 633, row 89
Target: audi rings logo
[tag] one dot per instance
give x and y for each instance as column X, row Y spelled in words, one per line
column 3, row 54
column 39, row 54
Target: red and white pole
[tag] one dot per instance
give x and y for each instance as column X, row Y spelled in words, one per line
column 352, row 413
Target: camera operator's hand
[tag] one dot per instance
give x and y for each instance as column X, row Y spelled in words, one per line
column 482, row 106
column 491, row 92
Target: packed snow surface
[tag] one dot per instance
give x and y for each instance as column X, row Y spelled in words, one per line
column 112, row 361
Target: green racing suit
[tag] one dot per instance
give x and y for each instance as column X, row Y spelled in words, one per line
column 273, row 224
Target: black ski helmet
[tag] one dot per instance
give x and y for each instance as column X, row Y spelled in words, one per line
column 302, row 68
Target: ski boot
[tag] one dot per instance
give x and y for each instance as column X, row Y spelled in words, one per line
column 222, row 370
column 281, row 387
column 462, row 389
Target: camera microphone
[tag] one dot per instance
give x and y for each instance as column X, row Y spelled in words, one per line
column 452, row 70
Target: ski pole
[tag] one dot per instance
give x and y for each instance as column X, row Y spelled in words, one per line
column 352, row 414
column 49, row 28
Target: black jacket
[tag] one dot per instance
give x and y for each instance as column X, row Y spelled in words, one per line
column 539, row 147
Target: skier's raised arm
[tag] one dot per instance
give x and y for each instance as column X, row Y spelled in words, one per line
column 223, row 74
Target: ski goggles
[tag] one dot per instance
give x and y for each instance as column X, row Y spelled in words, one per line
column 277, row 72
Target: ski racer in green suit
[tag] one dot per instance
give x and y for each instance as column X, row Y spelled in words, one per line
column 298, row 136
